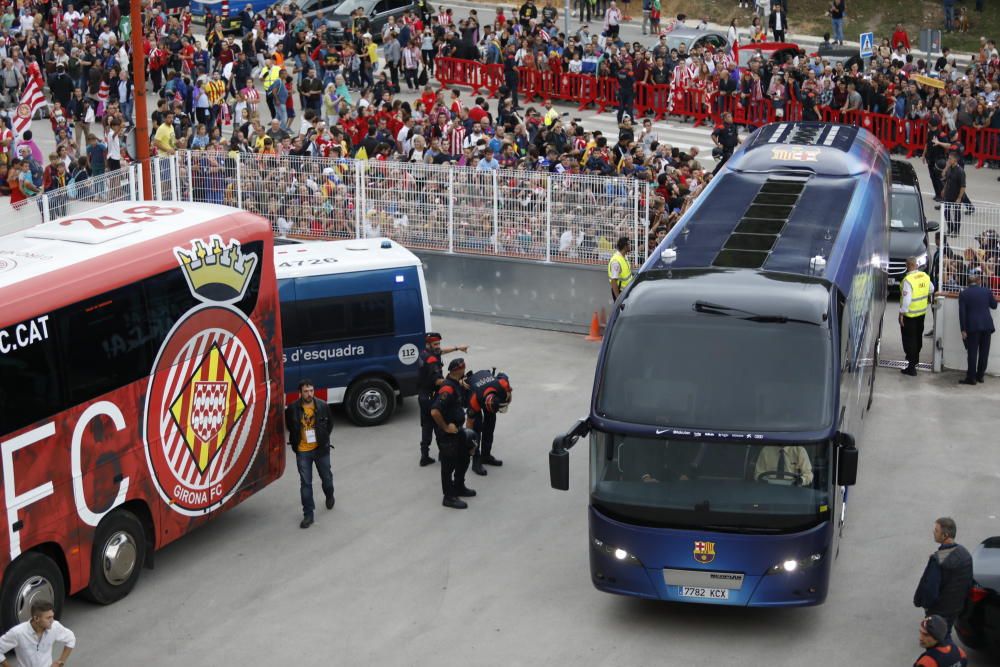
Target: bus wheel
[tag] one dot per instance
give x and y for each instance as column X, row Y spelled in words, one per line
column 33, row 577
column 370, row 402
column 117, row 558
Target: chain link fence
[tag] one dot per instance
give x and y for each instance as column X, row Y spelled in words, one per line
column 517, row 213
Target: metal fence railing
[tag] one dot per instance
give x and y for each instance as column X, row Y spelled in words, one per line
column 79, row 196
column 970, row 241
column 513, row 213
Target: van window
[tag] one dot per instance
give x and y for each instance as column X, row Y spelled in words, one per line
column 342, row 318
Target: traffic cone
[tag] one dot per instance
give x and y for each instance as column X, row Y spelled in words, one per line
column 595, row 329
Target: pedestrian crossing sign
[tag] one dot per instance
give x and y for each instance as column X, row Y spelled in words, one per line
column 867, row 41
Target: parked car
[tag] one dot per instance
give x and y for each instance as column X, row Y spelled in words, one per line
column 776, row 52
column 338, row 12
column 908, row 226
column 230, row 21
column 979, row 625
column 692, row 37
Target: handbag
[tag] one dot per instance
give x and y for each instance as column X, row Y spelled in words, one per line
column 422, row 77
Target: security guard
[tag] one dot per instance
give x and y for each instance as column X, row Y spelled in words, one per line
column 726, row 139
column 429, row 379
column 489, row 393
column 915, row 294
column 454, row 445
column 619, row 268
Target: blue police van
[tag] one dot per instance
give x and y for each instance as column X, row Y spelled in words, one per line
column 353, row 319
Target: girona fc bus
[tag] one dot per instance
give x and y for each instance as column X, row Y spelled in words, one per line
column 140, row 390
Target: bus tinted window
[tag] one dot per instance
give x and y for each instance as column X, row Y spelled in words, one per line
column 106, row 343
column 340, row 318
column 29, row 377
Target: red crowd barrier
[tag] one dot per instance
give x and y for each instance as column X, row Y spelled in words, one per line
column 661, row 100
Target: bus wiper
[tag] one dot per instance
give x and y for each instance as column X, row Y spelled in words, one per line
column 718, row 309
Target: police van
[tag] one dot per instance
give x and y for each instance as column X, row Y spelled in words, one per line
column 353, row 319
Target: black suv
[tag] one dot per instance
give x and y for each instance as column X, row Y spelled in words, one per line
column 908, row 227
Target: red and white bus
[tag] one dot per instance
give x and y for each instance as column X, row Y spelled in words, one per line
column 140, row 390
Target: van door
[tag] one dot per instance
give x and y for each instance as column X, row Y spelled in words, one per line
column 290, row 334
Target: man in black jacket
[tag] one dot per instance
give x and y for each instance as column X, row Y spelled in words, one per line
column 947, row 577
column 309, row 422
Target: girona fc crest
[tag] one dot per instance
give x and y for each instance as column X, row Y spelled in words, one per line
column 704, row 552
column 209, row 392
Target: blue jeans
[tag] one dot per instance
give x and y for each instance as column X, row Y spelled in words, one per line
column 838, row 30
column 949, row 17
column 304, row 461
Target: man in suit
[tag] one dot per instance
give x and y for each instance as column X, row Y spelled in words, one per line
column 974, row 305
column 778, row 22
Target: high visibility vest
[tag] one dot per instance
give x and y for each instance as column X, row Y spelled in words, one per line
column 920, row 291
column 625, row 275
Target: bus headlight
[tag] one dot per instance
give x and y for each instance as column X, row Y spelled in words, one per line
column 794, row 565
column 922, row 260
column 617, row 553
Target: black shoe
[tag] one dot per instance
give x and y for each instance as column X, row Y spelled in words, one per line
column 454, row 503
column 966, row 381
column 479, row 470
column 980, row 380
column 330, row 502
column 466, row 492
column 306, row 521
column 492, row 461
column 938, row 207
column 909, row 370
column 426, row 460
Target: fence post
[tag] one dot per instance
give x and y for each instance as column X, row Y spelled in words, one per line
column 548, row 218
column 157, row 184
column 635, row 216
column 45, row 208
column 645, row 252
column 239, row 180
column 175, row 171
column 496, row 212
column 187, row 155
column 359, row 196
column 451, row 208
column 132, row 190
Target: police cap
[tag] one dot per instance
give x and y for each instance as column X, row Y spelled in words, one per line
column 456, row 363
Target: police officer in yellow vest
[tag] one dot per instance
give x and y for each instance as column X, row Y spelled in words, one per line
column 619, row 268
column 914, row 298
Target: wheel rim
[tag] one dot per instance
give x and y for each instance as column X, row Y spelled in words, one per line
column 35, row 589
column 372, row 403
column 118, row 558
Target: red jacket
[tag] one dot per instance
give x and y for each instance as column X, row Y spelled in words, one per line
column 900, row 37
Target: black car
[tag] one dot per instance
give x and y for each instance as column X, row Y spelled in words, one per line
column 338, row 13
column 908, row 226
column 979, row 625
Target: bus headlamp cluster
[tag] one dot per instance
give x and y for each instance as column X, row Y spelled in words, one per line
column 617, row 553
column 922, row 260
column 794, row 565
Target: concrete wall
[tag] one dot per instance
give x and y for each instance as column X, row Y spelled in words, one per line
column 510, row 291
column 951, row 339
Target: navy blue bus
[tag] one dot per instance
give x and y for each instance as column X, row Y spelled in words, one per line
column 735, row 376
column 353, row 319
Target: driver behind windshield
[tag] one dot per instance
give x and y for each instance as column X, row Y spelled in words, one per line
column 788, row 462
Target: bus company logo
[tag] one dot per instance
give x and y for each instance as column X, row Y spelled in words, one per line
column 795, row 154
column 704, row 552
column 209, row 389
column 216, row 272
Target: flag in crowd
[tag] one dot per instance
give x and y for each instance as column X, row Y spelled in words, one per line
column 31, row 101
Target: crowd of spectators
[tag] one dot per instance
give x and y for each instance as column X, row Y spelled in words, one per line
column 307, row 94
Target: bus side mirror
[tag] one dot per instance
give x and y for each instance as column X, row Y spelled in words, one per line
column 847, row 460
column 559, row 467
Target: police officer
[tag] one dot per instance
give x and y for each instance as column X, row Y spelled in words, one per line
column 619, row 268
column 915, row 294
column 454, row 445
column 489, row 393
column 429, row 379
column 726, row 139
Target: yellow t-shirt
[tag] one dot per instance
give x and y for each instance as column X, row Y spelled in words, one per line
column 372, row 53
column 308, row 424
column 164, row 139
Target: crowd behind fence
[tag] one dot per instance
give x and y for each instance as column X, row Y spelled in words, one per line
column 574, row 218
column 971, row 242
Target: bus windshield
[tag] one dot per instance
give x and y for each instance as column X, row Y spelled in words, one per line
column 725, row 486
column 715, row 372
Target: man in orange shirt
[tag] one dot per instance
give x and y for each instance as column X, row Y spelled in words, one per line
column 309, row 422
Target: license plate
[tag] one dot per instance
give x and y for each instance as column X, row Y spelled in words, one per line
column 706, row 593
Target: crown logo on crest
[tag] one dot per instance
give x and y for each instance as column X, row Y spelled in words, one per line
column 217, row 272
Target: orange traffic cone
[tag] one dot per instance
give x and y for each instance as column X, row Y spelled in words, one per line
column 595, row 329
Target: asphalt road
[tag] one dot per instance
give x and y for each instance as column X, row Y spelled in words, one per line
column 389, row 577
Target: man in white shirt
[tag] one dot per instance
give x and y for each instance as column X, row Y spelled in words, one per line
column 33, row 640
